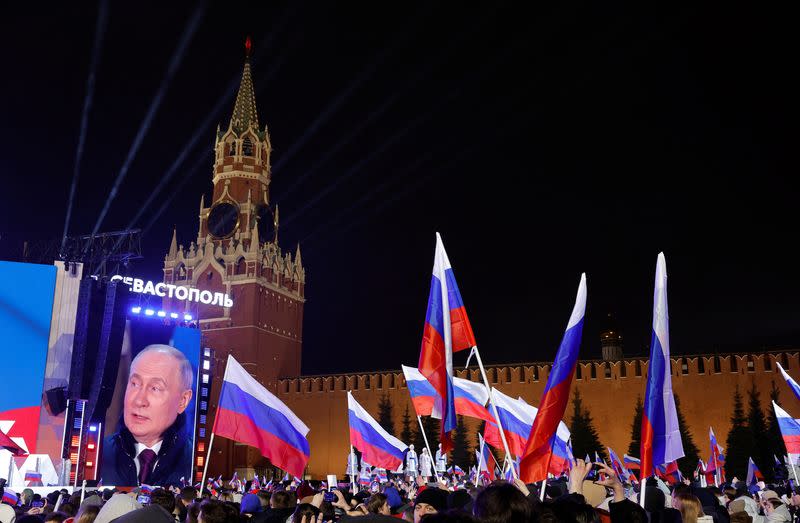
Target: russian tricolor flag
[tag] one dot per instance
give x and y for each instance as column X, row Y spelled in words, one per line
column 753, row 474
column 618, row 466
column 661, row 439
column 33, row 476
column 631, row 463
column 470, row 397
column 250, row 414
column 516, row 416
column 792, row 384
column 539, row 450
column 447, row 330
column 790, row 430
column 486, row 462
column 10, row 497
column 377, row 446
column 423, row 395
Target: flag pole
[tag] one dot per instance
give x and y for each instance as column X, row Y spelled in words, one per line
column 643, row 487
column 716, row 468
column 208, row 455
column 214, row 427
column 427, row 446
column 353, row 469
column 494, row 407
column 541, row 492
column 794, row 470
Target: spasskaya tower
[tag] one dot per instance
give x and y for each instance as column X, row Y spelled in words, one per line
column 237, row 253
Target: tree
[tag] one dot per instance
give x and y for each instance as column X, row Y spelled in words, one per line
column 461, row 453
column 636, row 428
column 386, row 414
column 691, row 455
column 774, row 437
column 584, row 436
column 739, row 443
column 758, row 430
column 406, row 434
column 432, row 428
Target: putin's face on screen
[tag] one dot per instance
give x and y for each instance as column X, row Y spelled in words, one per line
column 156, row 393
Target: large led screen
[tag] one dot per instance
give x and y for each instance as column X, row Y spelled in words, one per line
column 26, row 308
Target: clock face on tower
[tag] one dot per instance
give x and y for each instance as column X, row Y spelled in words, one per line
column 223, row 219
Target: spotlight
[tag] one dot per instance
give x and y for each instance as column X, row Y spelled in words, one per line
column 149, row 312
column 136, row 310
column 161, row 314
column 93, row 428
column 173, row 315
column 187, row 317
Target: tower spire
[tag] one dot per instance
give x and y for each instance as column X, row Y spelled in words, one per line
column 173, row 246
column 244, row 111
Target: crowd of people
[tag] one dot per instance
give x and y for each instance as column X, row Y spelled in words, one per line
column 451, row 498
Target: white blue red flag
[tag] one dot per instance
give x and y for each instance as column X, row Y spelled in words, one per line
column 250, row 414
column 10, row 497
column 470, row 397
column 487, row 462
column 790, row 431
column 255, row 485
column 539, row 450
column 753, row 474
column 364, row 478
column 631, row 463
column 661, row 439
column 516, row 416
column 618, row 466
column 447, row 330
column 377, row 446
column 33, row 476
column 792, row 384
column 423, row 395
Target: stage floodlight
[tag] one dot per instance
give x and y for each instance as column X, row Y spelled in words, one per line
column 161, row 314
column 173, row 315
column 136, row 310
column 187, row 317
column 149, row 312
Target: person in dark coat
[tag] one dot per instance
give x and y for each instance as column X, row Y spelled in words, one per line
column 151, row 446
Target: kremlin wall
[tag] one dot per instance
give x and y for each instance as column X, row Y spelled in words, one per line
column 704, row 384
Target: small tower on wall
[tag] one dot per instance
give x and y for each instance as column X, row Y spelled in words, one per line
column 236, row 253
column 611, row 341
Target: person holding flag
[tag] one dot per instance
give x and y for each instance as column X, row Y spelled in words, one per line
column 661, row 438
column 447, row 330
column 538, row 452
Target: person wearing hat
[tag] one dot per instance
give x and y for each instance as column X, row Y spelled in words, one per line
column 429, row 501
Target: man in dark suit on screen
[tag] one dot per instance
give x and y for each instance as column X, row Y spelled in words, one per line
column 152, row 446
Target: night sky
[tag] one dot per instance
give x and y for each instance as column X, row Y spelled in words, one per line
column 541, row 143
